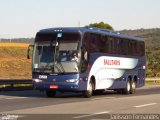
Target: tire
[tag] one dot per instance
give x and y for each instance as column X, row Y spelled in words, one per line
column 127, row 90
column 50, row 93
column 89, row 92
column 133, row 87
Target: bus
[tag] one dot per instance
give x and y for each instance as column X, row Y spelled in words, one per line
column 86, row 60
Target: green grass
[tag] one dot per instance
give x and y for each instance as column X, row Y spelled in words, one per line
column 4, row 86
column 16, row 85
column 152, row 83
column 22, row 85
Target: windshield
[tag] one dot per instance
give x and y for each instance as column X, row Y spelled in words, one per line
column 51, row 56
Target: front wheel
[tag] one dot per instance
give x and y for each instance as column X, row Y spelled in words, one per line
column 89, row 92
column 50, row 93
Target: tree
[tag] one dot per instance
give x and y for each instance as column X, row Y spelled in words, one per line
column 101, row 25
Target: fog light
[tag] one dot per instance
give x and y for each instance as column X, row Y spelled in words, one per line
column 37, row 80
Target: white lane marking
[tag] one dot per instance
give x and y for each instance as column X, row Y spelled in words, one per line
column 100, row 119
column 145, row 105
column 83, row 116
column 102, row 98
column 9, row 98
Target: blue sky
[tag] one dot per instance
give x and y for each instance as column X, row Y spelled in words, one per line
column 23, row 18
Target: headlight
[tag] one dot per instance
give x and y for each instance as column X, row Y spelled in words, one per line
column 72, row 80
column 37, row 80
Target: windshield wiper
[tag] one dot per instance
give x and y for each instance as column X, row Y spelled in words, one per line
column 53, row 70
column 62, row 68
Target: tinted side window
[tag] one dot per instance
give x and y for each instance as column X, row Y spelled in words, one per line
column 113, row 45
column 141, row 49
column 104, row 44
column 94, row 43
column 135, row 48
column 91, row 42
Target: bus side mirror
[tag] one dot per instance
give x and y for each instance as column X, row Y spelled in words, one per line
column 30, row 47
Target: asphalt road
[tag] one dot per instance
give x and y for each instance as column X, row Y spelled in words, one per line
column 36, row 105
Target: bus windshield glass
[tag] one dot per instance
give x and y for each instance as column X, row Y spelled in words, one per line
column 56, row 55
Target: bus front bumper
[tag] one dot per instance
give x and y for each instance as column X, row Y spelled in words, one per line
column 64, row 87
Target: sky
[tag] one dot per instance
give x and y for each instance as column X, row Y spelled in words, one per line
column 23, row 18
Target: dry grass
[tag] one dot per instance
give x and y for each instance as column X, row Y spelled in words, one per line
column 13, row 61
column 14, row 45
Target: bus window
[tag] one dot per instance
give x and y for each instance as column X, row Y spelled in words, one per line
column 117, row 46
column 94, row 43
column 93, row 46
column 85, row 43
column 84, row 60
column 91, row 42
column 103, row 44
column 111, row 45
column 85, row 51
column 141, row 49
column 121, row 46
column 127, row 47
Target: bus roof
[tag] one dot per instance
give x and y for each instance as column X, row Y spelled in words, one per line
column 89, row 29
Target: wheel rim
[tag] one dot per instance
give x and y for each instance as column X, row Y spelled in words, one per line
column 133, row 85
column 90, row 88
column 128, row 87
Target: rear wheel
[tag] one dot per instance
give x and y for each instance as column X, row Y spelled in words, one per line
column 50, row 93
column 89, row 92
column 133, row 87
column 128, row 88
